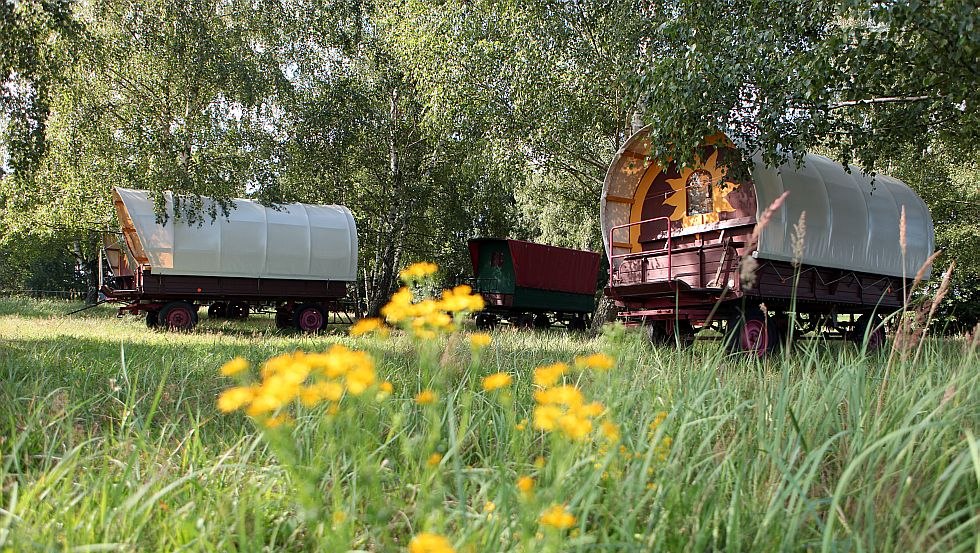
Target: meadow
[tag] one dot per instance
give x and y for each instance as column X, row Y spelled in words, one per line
column 112, row 440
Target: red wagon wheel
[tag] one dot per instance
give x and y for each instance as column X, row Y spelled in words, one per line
column 309, row 318
column 754, row 337
column 178, row 315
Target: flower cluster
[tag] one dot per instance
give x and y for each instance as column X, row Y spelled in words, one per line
column 563, row 407
column 418, row 271
column 429, row 317
column 557, row 516
column 497, row 381
column 311, row 378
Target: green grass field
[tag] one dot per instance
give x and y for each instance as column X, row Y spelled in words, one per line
column 111, row 441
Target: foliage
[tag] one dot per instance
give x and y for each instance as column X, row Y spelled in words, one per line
column 951, row 189
column 50, row 263
column 548, row 82
column 864, row 78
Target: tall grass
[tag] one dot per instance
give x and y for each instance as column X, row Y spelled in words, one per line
column 111, row 441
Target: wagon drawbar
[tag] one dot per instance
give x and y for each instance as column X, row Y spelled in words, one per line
column 294, row 258
column 675, row 238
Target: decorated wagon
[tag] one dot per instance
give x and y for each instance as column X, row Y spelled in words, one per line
column 295, row 258
column 687, row 249
column 528, row 284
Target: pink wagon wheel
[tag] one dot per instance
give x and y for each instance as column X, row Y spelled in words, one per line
column 309, row 318
column 178, row 315
column 754, row 337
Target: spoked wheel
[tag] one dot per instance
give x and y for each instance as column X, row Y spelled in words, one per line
column 309, row 318
column 237, row 310
column 284, row 317
column 577, row 323
column 218, row 310
column 656, row 332
column 486, row 321
column 871, row 327
column 524, row 321
column 542, row 321
column 178, row 315
column 754, row 334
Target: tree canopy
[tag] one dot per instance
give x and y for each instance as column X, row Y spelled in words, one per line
column 438, row 121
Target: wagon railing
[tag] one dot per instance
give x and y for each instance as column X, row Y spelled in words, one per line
column 665, row 249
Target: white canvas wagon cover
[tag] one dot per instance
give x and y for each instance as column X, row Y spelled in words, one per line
column 290, row 241
column 851, row 223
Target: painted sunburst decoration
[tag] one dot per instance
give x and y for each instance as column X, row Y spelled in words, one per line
column 705, row 188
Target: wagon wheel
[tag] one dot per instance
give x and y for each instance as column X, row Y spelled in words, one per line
column 152, row 319
column 237, row 310
column 524, row 320
column 486, row 321
column 577, row 324
column 284, row 317
column 309, row 318
column 656, row 332
column 872, row 327
column 755, row 334
column 178, row 315
column 542, row 321
column 218, row 310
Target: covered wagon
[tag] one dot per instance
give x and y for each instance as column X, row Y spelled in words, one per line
column 528, row 284
column 687, row 249
column 295, row 258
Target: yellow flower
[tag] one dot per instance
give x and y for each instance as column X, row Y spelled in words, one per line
column 521, row 425
column 569, row 396
column 489, row 507
column 427, row 542
column 366, row 326
column 277, row 421
column 384, row 390
column 235, row 366
column 658, row 420
column 339, row 517
column 434, row 459
column 597, row 361
column 479, row 340
column 558, row 517
column 593, row 409
column 359, row 379
column 461, row 298
column 234, row 399
column 548, row 375
column 525, row 484
column 575, row 426
column 417, row 271
column 546, row 417
column 610, row 430
column 497, row 381
column 319, row 391
column 426, row 397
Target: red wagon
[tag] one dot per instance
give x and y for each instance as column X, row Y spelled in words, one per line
column 528, row 284
column 686, row 248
